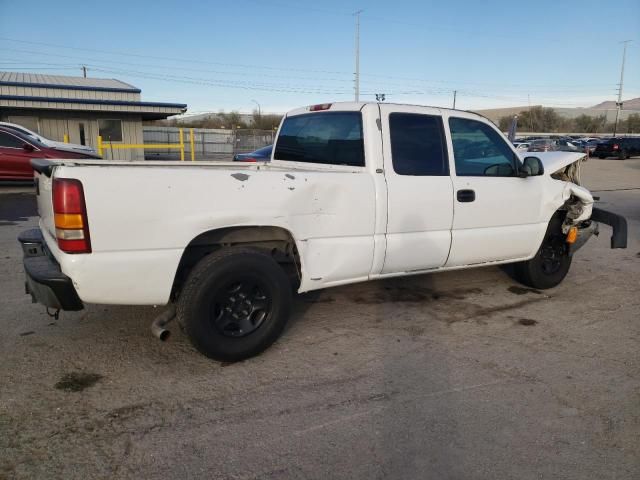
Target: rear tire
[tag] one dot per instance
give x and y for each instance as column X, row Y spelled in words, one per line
column 601, row 157
column 550, row 264
column 622, row 155
column 234, row 304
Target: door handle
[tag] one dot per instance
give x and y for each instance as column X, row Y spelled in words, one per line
column 466, row 195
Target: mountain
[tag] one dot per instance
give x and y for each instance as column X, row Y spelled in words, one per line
column 631, row 104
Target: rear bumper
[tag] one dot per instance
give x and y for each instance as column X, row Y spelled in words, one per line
column 617, row 222
column 45, row 281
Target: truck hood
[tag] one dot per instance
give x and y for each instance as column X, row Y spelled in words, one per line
column 554, row 161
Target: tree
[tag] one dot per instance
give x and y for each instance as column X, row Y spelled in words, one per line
column 231, row 120
column 505, row 122
column 541, row 119
column 632, row 123
column 265, row 122
column 588, row 124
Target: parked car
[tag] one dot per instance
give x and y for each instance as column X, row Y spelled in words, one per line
column 17, row 150
column 72, row 147
column 355, row 192
column 552, row 145
column 590, row 145
column 261, row 155
column 521, row 146
column 621, row 147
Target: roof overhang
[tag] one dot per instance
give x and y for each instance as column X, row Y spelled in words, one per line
column 88, row 88
column 148, row 110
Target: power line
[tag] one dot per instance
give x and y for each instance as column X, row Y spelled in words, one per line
column 175, row 59
column 374, row 85
column 281, row 69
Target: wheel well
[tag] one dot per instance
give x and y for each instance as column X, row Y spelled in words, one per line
column 276, row 241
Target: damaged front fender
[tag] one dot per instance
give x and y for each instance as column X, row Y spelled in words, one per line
column 578, row 203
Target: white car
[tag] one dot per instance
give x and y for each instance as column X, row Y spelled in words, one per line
column 353, row 192
column 71, row 147
column 521, row 146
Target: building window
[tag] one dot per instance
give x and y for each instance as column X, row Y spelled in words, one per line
column 110, row 130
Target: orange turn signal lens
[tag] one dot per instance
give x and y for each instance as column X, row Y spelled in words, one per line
column 572, row 235
column 69, row 220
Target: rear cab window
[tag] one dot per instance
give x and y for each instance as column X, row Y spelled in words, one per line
column 417, row 144
column 330, row 138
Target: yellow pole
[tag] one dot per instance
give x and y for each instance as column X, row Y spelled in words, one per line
column 181, row 145
column 99, row 145
column 193, row 151
column 65, row 138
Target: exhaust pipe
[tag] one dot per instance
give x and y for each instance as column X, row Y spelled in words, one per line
column 158, row 326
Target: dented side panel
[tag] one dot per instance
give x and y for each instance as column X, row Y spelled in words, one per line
column 330, row 214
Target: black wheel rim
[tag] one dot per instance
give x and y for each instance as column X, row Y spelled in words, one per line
column 552, row 253
column 240, row 306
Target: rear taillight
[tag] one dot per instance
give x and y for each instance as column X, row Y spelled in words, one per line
column 70, row 213
column 615, row 146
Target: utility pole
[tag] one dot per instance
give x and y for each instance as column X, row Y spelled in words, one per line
column 357, row 76
column 619, row 102
column 259, row 109
column 84, row 71
column 455, row 92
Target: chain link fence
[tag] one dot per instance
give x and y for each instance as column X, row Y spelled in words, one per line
column 208, row 144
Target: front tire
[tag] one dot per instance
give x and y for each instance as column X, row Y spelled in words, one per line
column 234, row 304
column 551, row 263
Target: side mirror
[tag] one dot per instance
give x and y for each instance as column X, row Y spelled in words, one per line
column 27, row 147
column 531, row 167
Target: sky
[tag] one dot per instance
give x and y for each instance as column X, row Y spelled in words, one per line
column 238, row 54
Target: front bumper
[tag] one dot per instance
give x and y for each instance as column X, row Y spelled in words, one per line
column 584, row 234
column 617, row 222
column 45, row 281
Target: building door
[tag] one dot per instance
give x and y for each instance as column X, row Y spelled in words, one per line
column 80, row 131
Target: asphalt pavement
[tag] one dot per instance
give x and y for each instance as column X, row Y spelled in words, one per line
column 458, row 375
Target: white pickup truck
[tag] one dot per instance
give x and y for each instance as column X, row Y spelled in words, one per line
column 353, row 192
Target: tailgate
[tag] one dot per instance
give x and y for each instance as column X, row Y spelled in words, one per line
column 45, row 203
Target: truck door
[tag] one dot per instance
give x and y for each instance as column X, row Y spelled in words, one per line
column 420, row 191
column 497, row 214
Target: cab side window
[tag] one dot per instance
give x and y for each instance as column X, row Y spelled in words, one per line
column 479, row 150
column 417, row 144
column 10, row 141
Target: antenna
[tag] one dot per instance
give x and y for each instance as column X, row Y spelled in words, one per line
column 84, row 71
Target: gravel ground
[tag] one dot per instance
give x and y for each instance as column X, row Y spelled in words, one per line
column 461, row 375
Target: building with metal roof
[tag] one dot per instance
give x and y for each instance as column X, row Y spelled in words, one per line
column 79, row 109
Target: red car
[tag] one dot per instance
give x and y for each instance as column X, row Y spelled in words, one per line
column 17, row 150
